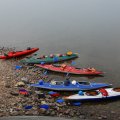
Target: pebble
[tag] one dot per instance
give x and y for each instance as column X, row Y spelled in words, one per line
column 113, row 112
column 43, row 102
column 81, row 116
column 52, row 113
column 42, row 110
column 67, row 111
column 71, row 113
column 29, row 112
column 47, row 112
column 15, row 93
column 7, row 85
column 104, row 117
column 99, row 118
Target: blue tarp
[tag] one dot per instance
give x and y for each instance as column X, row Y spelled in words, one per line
column 17, row 67
column 44, row 106
column 28, row 107
column 42, row 63
column 76, row 103
column 59, row 100
column 51, row 93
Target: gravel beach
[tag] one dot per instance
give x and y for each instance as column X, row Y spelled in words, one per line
column 12, row 103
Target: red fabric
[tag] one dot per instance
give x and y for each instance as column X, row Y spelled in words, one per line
column 55, row 95
column 103, row 91
column 23, row 92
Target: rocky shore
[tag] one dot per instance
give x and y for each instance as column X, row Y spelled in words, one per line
column 12, row 103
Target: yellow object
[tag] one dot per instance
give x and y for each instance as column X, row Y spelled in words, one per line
column 69, row 53
column 20, row 84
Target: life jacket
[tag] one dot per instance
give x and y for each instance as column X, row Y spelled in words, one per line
column 103, row 92
column 63, row 66
column 55, row 95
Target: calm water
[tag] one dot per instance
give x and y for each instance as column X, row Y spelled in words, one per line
column 91, row 28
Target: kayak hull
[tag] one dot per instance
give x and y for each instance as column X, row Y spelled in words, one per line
column 70, row 70
column 71, row 87
column 19, row 53
column 49, row 59
column 112, row 95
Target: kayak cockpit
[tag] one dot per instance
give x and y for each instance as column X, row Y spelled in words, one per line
column 116, row 89
column 92, row 93
column 84, row 83
column 53, row 82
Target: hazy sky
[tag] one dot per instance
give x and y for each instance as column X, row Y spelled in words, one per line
column 78, row 22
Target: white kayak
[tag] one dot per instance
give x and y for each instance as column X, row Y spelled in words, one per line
column 100, row 94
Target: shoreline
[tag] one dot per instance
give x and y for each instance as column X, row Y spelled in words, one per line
column 12, row 103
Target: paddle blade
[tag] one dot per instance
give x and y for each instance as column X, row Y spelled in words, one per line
column 73, row 63
column 67, row 74
column 46, row 72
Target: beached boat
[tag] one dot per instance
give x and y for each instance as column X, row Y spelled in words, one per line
column 96, row 95
column 70, row 69
column 52, row 58
column 67, row 85
column 14, row 54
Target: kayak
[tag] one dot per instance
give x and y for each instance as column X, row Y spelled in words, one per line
column 70, row 69
column 95, row 95
column 52, row 58
column 13, row 54
column 68, row 85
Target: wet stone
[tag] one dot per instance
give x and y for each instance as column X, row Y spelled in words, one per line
column 99, row 118
column 14, row 93
column 71, row 113
column 29, row 112
column 52, row 113
column 25, row 80
column 2, row 114
column 7, row 85
column 104, row 117
column 113, row 112
column 67, row 111
column 82, row 116
column 43, row 102
column 42, row 110
column 60, row 115
column 47, row 112
column 35, row 112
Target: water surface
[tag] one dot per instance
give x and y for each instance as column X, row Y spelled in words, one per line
column 91, row 28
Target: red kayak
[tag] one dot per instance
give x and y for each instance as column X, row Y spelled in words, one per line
column 13, row 54
column 70, row 69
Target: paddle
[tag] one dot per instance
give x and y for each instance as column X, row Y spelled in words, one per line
column 45, row 73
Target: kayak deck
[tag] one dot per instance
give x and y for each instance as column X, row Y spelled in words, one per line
column 71, row 70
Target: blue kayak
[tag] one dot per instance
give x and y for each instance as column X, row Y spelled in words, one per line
column 68, row 85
